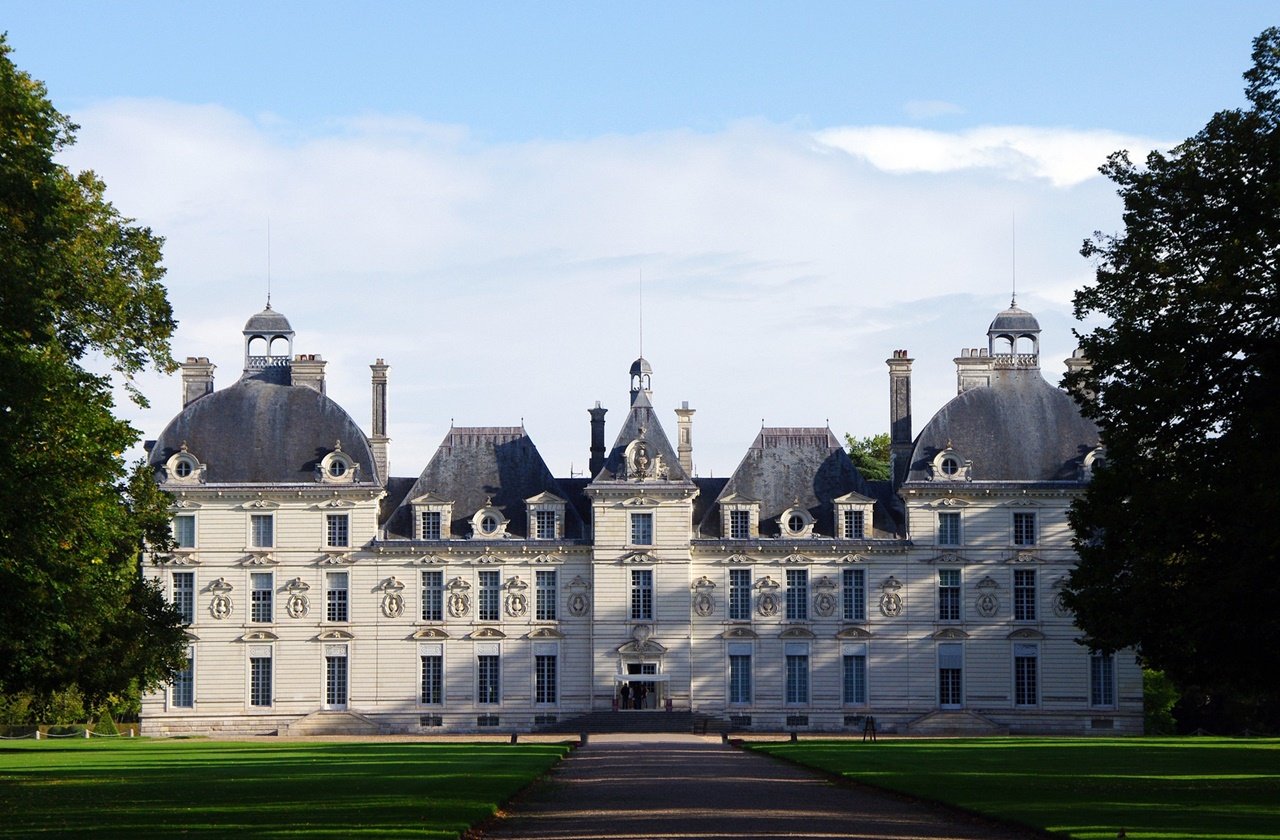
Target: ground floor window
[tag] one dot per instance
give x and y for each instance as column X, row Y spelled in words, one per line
column 335, row 672
column 855, row 675
column 950, row 675
column 182, row 695
column 1026, row 675
column 1102, row 679
column 797, row 673
column 432, row 679
column 739, row 672
column 260, row 677
column 488, row 679
column 544, row 678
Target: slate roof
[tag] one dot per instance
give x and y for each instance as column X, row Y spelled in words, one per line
column 789, row 465
column 1018, row 428
column 476, row 464
column 641, row 416
column 268, row 322
column 1014, row 320
column 258, row 432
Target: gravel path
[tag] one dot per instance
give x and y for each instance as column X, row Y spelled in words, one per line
column 694, row 788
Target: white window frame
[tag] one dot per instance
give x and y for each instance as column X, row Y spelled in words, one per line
column 641, row 528
column 853, row 592
column 488, row 655
column 739, row 523
column 255, row 540
column 260, row 596
column 260, row 653
column 436, row 530
column 944, row 538
column 546, row 594
column 489, row 595
column 190, row 683
column 853, row 524
column 797, row 677
column 797, row 594
column 184, row 598
column 1025, row 528
column 642, row 595
column 337, row 599
column 333, row 524
column 546, row 693
column 433, row 651
column 1102, row 693
column 739, row 683
column 740, row 594
column 178, row 537
column 850, row 652
column 432, row 595
column 950, row 595
column 1024, row 595
column 1022, row 654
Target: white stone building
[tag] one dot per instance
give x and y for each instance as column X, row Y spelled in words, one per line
column 486, row 592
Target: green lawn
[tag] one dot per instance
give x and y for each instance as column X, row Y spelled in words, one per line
column 1078, row 787
column 141, row 788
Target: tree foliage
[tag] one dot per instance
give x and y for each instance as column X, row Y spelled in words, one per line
column 1179, row 534
column 870, row 455
column 80, row 282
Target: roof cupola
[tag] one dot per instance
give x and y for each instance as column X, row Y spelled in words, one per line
column 268, row 346
column 1013, row 338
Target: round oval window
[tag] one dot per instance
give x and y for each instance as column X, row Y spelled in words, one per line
column 796, row 523
column 950, row 466
column 183, row 469
column 488, row 524
column 337, row 468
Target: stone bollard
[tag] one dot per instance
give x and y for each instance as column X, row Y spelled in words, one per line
column 582, row 739
column 514, row 737
column 794, row 736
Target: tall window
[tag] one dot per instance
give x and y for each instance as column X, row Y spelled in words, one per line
column 797, row 673
column 432, row 679
column 739, row 524
column 490, row 596
column 739, row 594
column 739, row 673
column 1024, row 594
column 183, row 695
column 1024, row 529
column 335, row 676
column 1102, row 679
column 488, row 679
column 855, row 527
column 950, row 675
column 260, row 592
column 184, row 530
column 430, row 524
column 433, row 596
column 797, row 594
column 260, row 680
column 544, row 524
column 949, row 529
column 855, row 675
column 1026, row 686
column 854, row 593
column 337, row 530
column 544, row 678
column 184, row 595
column 948, row 594
column 642, row 529
column 545, row 595
column 335, row 596
column 642, row 594
column 262, row 531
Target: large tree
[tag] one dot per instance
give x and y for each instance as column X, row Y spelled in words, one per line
column 1179, row 533
column 78, row 284
column 870, row 455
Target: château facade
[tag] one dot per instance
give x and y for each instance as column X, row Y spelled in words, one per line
column 485, row 592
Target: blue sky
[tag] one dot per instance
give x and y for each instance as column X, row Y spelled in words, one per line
column 472, row 191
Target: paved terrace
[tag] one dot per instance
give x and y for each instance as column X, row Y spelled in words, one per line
column 638, row 787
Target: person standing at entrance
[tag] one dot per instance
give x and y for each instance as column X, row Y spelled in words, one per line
column 640, row 692
column 625, row 693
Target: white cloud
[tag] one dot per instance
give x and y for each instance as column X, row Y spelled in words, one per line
column 500, row 280
column 1065, row 157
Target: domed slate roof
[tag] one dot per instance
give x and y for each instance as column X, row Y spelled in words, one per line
column 268, row 321
column 641, row 365
column 1014, row 320
column 261, row 432
column 1019, row 428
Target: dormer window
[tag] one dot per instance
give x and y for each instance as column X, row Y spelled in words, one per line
column 739, row 517
column 184, row 468
column 947, row 465
column 796, row 523
column 546, row 516
column 337, row 467
column 488, row 523
column 853, row 516
column 431, row 517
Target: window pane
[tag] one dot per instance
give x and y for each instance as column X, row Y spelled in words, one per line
column 1102, row 679
column 641, row 594
column 262, row 530
column 797, row 594
column 184, row 595
column 183, row 691
column 855, row 595
column 260, row 597
column 948, row 529
column 642, row 529
column 1025, row 682
column 184, row 531
column 487, row 679
column 431, row 525
column 433, row 596
column 432, row 680
column 260, row 681
column 337, row 530
column 1024, row 594
column 949, row 594
column 544, row 679
column 855, row 679
column 545, row 609
column 544, row 524
column 336, row 596
column 797, row 689
column 739, row 678
column 490, row 596
column 1024, row 529
column 335, row 693
column 739, row 594
column 739, row 524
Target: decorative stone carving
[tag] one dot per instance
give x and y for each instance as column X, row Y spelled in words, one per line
column 987, row 605
column 824, row 603
column 578, row 603
column 392, row 599
column 703, row 603
column 767, row 601
column 220, row 607
column 459, row 601
column 1060, row 606
column 890, row 601
column 297, row 605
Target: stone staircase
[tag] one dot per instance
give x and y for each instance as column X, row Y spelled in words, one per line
column 330, row 723
column 955, row 724
column 638, row 722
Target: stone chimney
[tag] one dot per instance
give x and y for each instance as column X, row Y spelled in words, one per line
column 197, row 378
column 684, row 449
column 1078, row 362
column 597, row 440
column 899, row 416
column 379, row 440
column 307, row 370
column 974, row 367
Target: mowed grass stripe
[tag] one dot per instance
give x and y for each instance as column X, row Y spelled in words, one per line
column 1086, row 788
column 195, row 788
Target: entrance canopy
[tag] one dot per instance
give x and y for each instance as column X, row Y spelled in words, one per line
column 644, row 678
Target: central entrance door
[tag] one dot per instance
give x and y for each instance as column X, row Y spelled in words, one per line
column 641, row 688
